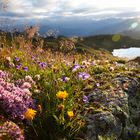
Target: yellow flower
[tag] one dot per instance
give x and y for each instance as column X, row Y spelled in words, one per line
column 30, row 114
column 70, row 114
column 62, row 95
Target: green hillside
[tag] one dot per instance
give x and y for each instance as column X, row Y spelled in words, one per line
column 110, row 42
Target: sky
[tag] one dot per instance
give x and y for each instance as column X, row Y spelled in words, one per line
column 62, row 9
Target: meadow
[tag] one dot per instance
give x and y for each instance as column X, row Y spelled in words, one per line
column 45, row 91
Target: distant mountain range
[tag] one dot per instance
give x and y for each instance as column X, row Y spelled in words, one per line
column 93, row 27
column 84, row 27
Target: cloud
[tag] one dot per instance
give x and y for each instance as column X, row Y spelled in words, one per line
column 71, row 8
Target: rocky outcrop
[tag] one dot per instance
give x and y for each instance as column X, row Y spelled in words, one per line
column 137, row 60
column 119, row 115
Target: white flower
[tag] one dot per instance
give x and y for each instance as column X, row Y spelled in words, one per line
column 36, row 91
column 8, row 58
column 27, row 91
column 37, row 77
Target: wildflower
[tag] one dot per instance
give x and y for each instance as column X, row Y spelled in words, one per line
column 8, row 59
column 61, row 107
column 42, row 64
column 111, row 68
column 75, row 67
column 26, row 85
column 28, row 78
column 36, row 91
column 37, row 77
column 27, row 91
column 18, row 66
column 86, row 63
column 14, row 100
column 33, row 57
column 25, row 69
column 4, row 75
column 11, row 129
column 62, row 95
column 65, row 79
column 83, row 75
column 11, row 64
column 30, row 114
column 97, row 84
column 70, row 114
column 85, row 99
column 68, row 63
column 17, row 59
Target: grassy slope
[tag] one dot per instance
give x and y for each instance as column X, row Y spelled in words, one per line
column 105, row 41
column 96, row 42
column 102, row 67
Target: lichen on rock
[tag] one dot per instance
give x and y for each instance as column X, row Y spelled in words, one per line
column 120, row 119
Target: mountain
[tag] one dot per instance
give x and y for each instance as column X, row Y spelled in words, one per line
column 132, row 33
column 83, row 27
column 80, row 27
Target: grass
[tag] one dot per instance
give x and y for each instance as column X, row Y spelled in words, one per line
column 51, row 69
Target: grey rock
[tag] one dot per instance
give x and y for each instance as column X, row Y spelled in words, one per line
column 123, row 119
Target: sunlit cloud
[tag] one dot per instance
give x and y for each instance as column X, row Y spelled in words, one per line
column 70, row 8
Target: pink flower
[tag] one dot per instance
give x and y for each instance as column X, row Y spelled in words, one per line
column 27, row 91
column 26, row 85
column 28, row 78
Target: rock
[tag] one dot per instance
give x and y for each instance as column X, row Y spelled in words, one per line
column 137, row 60
column 103, row 123
column 119, row 117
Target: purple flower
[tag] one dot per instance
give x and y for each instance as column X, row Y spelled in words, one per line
column 97, row 84
column 75, row 67
column 17, row 59
column 33, row 57
column 25, row 69
column 65, row 79
column 18, row 66
column 42, row 65
column 11, row 65
column 11, row 129
column 3, row 75
column 13, row 99
column 85, row 99
column 83, row 75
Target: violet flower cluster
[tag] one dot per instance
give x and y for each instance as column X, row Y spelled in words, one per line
column 11, row 129
column 15, row 100
column 75, row 67
column 42, row 64
column 83, row 75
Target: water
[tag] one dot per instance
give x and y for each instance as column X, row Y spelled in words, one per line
column 129, row 53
